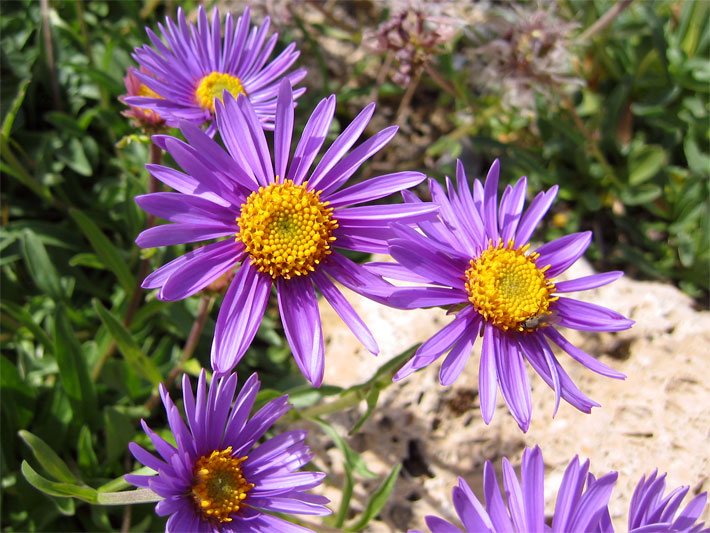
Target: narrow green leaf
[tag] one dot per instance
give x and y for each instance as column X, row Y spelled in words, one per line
column 105, row 250
column 134, row 356
column 371, row 400
column 353, row 460
column 22, row 316
column 15, row 107
column 119, row 432
column 377, row 501
column 49, row 460
column 129, row 497
column 345, row 496
column 54, row 488
column 120, row 483
column 85, row 450
column 73, row 370
column 40, row 265
column 645, row 164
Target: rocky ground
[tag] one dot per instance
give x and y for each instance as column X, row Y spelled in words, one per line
column 657, row 417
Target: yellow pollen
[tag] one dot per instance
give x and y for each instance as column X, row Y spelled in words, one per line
column 508, row 289
column 213, row 86
column 286, row 229
column 219, row 487
column 144, row 90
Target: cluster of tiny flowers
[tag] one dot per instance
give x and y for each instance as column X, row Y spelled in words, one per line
column 281, row 220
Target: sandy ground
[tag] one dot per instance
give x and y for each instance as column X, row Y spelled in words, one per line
column 657, row 417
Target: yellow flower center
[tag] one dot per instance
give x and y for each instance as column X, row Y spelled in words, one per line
column 508, row 289
column 144, row 90
column 286, row 229
column 213, row 86
column 219, row 487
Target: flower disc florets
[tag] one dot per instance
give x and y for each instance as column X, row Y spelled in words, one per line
column 507, row 287
column 219, row 487
column 213, row 86
column 286, row 229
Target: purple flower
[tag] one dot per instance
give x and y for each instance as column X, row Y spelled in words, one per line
column 218, row 477
column 282, row 223
column 196, row 64
column 651, row 512
column 477, row 259
column 581, row 500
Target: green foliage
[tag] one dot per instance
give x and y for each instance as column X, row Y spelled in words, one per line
column 84, row 347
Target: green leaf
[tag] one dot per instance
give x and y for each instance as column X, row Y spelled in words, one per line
column 55, row 488
column 73, row 370
column 377, row 501
column 120, row 482
column 15, row 107
column 107, row 252
column 22, row 316
column 353, row 460
column 134, row 356
column 371, row 400
column 74, row 156
column 87, row 260
column 346, row 496
column 119, row 432
column 49, row 460
column 129, row 497
column 40, row 265
column 85, row 449
column 645, row 163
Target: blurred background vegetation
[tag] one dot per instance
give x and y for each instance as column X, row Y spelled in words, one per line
column 607, row 99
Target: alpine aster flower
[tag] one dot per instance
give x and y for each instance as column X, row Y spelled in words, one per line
column 217, row 477
column 196, row 64
column 477, row 259
column 282, row 223
column 581, row 500
column 651, row 512
column 141, row 117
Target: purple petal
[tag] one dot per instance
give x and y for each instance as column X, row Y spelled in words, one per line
column 355, row 277
column 195, row 274
column 375, row 188
column 593, row 503
column 341, row 172
column 588, row 282
column 532, row 475
column 589, row 317
column 490, row 201
column 239, row 317
column 345, row 311
column 563, row 252
column 494, row 501
column 394, row 271
column 341, row 145
column 283, row 128
column 178, row 207
column 455, row 361
column 568, row 494
column 170, row 234
column 581, row 356
column 487, row 374
column 439, row 525
column 514, row 383
column 299, row 313
column 470, row 510
column 312, row 140
column 427, row 263
column 511, row 208
column 536, row 210
column 420, row 297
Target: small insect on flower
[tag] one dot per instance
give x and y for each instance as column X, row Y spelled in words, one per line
column 218, row 477
column 476, row 261
column 196, row 64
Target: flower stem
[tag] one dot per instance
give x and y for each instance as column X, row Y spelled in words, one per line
column 193, row 338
